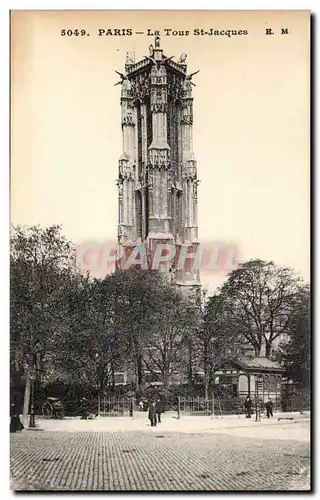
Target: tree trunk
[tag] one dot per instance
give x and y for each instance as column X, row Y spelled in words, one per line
column 26, row 399
column 206, row 379
column 138, row 374
column 206, row 373
column 136, row 378
column 110, row 379
column 165, row 381
column 140, row 370
column 190, row 373
column 99, row 399
column 212, row 380
column 206, row 385
column 268, row 349
column 17, row 359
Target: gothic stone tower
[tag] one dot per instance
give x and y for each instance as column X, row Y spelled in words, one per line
column 157, row 170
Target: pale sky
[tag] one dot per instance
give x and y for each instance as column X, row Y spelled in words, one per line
column 251, row 125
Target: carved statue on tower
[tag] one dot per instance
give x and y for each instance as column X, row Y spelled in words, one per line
column 129, row 59
column 182, row 59
column 126, row 85
column 161, row 71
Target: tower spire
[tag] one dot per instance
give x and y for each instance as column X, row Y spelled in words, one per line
column 157, row 41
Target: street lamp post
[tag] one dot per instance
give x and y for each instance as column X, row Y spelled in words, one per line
column 99, row 402
column 259, row 381
column 32, row 423
column 36, row 368
column 98, row 384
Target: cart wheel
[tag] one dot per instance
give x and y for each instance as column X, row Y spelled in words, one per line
column 47, row 410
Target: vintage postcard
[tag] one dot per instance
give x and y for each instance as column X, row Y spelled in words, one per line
column 160, row 250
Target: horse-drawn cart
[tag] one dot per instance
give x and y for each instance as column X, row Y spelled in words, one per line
column 53, row 408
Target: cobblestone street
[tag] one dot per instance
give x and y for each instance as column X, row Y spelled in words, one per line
column 160, row 461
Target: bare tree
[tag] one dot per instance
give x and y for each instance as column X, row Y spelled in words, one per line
column 137, row 302
column 216, row 335
column 171, row 324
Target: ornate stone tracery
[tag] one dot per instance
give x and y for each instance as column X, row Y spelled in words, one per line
column 128, row 120
column 189, row 171
column 157, row 174
column 140, row 88
column 186, row 120
column 187, row 88
column 159, row 159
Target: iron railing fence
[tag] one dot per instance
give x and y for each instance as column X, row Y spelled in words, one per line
column 235, row 405
column 214, row 406
column 298, row 402
column 117, row 406
column 126, row 407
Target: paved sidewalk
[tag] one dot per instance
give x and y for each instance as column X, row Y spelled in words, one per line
column 295, row 429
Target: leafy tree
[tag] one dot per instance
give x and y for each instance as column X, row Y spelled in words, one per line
column 41, row 262
column 90, row 347
column 296, row 354
column 91, row 328
column 259, row 297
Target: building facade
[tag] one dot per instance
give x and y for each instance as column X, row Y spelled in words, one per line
column 157, row 178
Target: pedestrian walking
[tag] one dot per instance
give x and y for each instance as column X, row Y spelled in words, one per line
column 159, row 410
column 269, row 408
column 152, row 414
column 141, row 405
column 248, row 406
column 131, row 409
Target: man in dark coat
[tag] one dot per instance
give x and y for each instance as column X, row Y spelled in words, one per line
column 159, row 409
column 131, row 409
column 152, row 414
column 15, row 422
column 269, row 408
column 248, row 406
